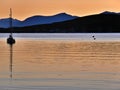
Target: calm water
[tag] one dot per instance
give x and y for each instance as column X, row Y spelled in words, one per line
column 60, row 65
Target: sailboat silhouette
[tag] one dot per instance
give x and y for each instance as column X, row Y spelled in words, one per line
column 11, row 41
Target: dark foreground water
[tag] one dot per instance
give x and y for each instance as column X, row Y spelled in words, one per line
column 60, row 65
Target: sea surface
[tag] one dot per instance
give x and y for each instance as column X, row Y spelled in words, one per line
column 60, row 62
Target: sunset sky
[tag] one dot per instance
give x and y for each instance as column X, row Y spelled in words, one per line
column 25, row 8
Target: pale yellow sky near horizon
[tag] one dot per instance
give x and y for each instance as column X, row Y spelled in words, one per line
column 25, row 8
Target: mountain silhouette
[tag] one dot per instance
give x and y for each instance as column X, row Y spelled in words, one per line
column 35, row 20
column 108, row 12
column 5, row 23
column 97, row 23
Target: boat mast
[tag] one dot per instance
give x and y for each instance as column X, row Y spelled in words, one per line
column 10, row 21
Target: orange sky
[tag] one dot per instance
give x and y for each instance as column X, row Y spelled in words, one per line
column 26, row 8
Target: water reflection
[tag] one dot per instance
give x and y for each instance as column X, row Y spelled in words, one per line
column 61, row 64
column 66, row 56
column 11, row 61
